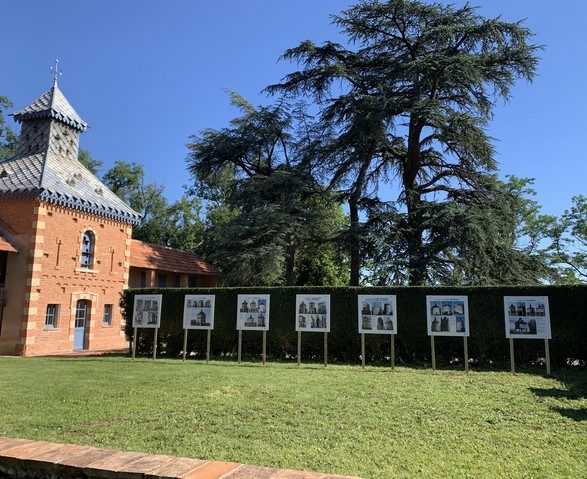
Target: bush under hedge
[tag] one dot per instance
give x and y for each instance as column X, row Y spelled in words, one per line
column 487, row 342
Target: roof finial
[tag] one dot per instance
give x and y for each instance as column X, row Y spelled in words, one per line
column 56, row 72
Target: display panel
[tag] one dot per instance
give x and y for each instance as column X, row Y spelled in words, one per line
column 447, row 315
column 253, row 312
column 198, row 311
column 527, row 317
column 147, row 311
column 313, row 312
column 377, row 314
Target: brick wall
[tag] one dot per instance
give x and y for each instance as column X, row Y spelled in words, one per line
column 151, row 275
column 18, row 215
column 53, row 275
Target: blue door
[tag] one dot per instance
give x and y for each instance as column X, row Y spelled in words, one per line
column 81, row 319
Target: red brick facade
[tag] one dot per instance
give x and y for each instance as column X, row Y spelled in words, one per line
column 65, row 243
column 46, row 271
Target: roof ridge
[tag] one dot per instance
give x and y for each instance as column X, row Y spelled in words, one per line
column 52, row 102
column 167, row 247
column 166, row 258
column 45, row 161
column 67, row 179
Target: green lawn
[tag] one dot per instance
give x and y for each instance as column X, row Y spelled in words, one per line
column 374, row 423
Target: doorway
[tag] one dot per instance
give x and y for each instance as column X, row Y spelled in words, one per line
column 82, row 317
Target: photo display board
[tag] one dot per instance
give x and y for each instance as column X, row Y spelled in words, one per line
column 527, row 317
column 252, row 312
column 198, row 311
column 377, row 314
column 313, row 312
column 447, row 315
column 147, row 311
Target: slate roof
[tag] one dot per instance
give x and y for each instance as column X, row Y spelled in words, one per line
column 150, row 256
column 57, row 178
column 52, row 104
column 61, row 180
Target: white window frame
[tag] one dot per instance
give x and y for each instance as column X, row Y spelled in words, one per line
column 107, row 317
column 51, row 316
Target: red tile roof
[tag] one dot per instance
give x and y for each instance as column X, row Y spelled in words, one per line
column 5, row 245
column 163, row 258
column 6, row 242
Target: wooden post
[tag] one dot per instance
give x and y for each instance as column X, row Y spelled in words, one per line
column 363, row 350
column 264, row 347
column 240, row 344
column 155, row 344
column 393, row 351
column 209, row 332
column 512, row 355
column 134, row 344
column 185, row 343
column 466, row 351
column 299, row 348
column 325, row 349
column 433, row 352
column 547, row 351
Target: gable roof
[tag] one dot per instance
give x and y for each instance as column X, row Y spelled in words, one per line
column 5, row 245
column 52, row 104
column 7, row 242
column 163, row 258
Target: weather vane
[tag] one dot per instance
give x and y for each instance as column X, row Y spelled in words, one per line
column 56, row 72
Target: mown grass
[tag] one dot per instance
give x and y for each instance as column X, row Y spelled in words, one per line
column 374, row 423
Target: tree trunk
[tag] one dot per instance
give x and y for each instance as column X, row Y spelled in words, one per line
column 354, row 246
column 414, row 236
column 355, row 237
column 416, row 260
column 290, row 259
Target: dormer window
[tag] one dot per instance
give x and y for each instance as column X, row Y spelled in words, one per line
column 88, row 242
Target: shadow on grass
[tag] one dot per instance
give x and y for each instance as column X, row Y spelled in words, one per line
column 575, row 390
column 574, row 414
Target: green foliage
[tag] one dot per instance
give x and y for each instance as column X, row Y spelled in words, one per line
column 185, row 228
column 125, row 180
column 91, row 163
column 569, row 241
column 418, row 89
column 487, row 343
column 8, row 138
column 493, row 236
column 270, row 222
column 177, row 225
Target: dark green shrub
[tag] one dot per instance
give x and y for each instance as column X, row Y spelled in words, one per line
column 487, row 343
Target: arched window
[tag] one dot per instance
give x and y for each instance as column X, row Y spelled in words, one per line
column 88, row 242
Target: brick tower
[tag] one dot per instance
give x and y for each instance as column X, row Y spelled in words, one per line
column 64, row 240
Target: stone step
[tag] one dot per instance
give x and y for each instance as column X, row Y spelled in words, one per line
column 22, row 459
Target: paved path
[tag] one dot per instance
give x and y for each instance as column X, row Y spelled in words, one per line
column 23, row 458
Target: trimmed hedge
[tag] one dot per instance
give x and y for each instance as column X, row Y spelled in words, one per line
column 487, row 342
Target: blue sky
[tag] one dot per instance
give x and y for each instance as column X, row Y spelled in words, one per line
column 146, row 75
